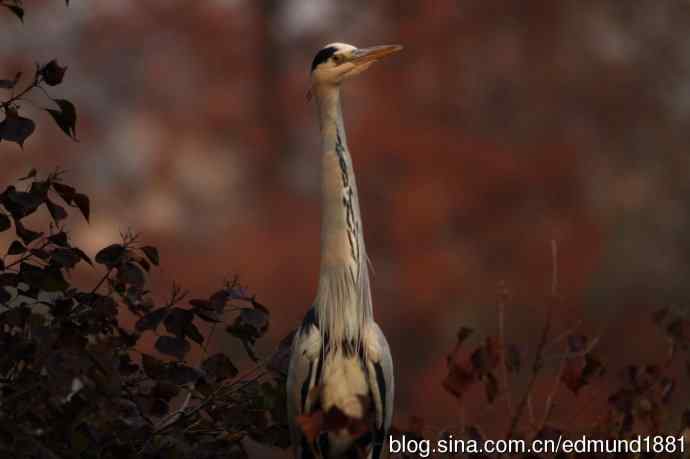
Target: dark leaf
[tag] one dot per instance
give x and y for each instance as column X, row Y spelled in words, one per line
column 251, row 324
column 203, row 304
column 21, row 203
column 151, row 320
column 10, row 84
column 16, row 248
column 193, row 333
column 461, row 376
column 152, row 254
column 52, row 73
column 66, row 117
column 26, row 235
column 159, row 407
column 66, row 192
column 40, row 253
column 131, row 274
column 4, row 295
column 82, row 255
column 111, row 256
column 66, row 258
column 169, row 345
column 219, row 367
column 208, row 315
column 144, row 264
column 59, row 239
column 5, row 223
column 82, row 202
column 577, row 343
column 16, row 317
column 463, row 334
column 57, row 212
column 182, row 374
column 154, row 368
column 177, row 320
column 16, row 128
column 9, row 279
column 17, row 10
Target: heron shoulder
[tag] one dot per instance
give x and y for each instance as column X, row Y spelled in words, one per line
column 308, row 339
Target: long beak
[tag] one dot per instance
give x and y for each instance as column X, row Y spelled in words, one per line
column 373, row 54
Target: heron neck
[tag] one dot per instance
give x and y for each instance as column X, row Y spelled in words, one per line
column 343, row 298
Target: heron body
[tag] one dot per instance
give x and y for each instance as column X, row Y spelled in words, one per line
column 340, row 358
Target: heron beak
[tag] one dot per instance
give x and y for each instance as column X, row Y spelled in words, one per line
column 375, row 53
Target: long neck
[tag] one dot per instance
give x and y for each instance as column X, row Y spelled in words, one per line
column 343, row 300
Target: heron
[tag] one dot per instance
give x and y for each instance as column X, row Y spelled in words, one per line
column 340, row 359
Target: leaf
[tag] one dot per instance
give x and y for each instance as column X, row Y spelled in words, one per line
column 17, row 10
column 461, row 376
column 463, row 334
column 193, row 333
column 152, row 254
column 52, row 73
column 111, row 256
column 65, row 257
column 219, row 367
column 26, row 235
column 10, row 84
column 66, row 192
column 56, row 211
column 83, row 256
column 16, row 128
column 21, row 203
column 151, row 320
column 49, row 279
column 131, row 274
column 82, row 202
column 16, row 248
column 59, row 238
column 154, row 368
column 165, row 390
column 40, row 253
column 66, row 117
column 170, row 345
column 5, row 223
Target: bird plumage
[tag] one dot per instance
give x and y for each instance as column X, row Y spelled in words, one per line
column 340, row 358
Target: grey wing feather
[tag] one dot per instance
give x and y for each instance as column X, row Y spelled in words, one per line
column 382, row 383
column 306, row 348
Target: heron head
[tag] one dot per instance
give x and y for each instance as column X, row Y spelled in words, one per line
column 337, row 62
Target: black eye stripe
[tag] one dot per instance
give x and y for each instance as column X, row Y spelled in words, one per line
column 322, row 56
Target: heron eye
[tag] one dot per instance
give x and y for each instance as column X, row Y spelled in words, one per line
column 337, row 58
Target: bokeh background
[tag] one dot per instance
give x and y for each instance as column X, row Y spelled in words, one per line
column 501, row 127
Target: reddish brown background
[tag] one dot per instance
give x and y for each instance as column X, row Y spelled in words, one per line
column 502, row 126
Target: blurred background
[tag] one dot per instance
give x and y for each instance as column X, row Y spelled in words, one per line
column 501, row 127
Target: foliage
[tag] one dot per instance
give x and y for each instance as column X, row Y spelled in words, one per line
column 76, row 383
column 639, row 399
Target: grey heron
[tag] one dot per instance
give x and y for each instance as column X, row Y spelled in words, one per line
column 340, row 358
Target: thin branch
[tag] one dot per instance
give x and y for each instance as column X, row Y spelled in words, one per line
column 502, row 343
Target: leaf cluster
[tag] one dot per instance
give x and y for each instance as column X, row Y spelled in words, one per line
column 75, row 381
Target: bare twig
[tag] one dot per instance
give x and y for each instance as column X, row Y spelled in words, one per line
column 539, row 357
column 502, row 343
